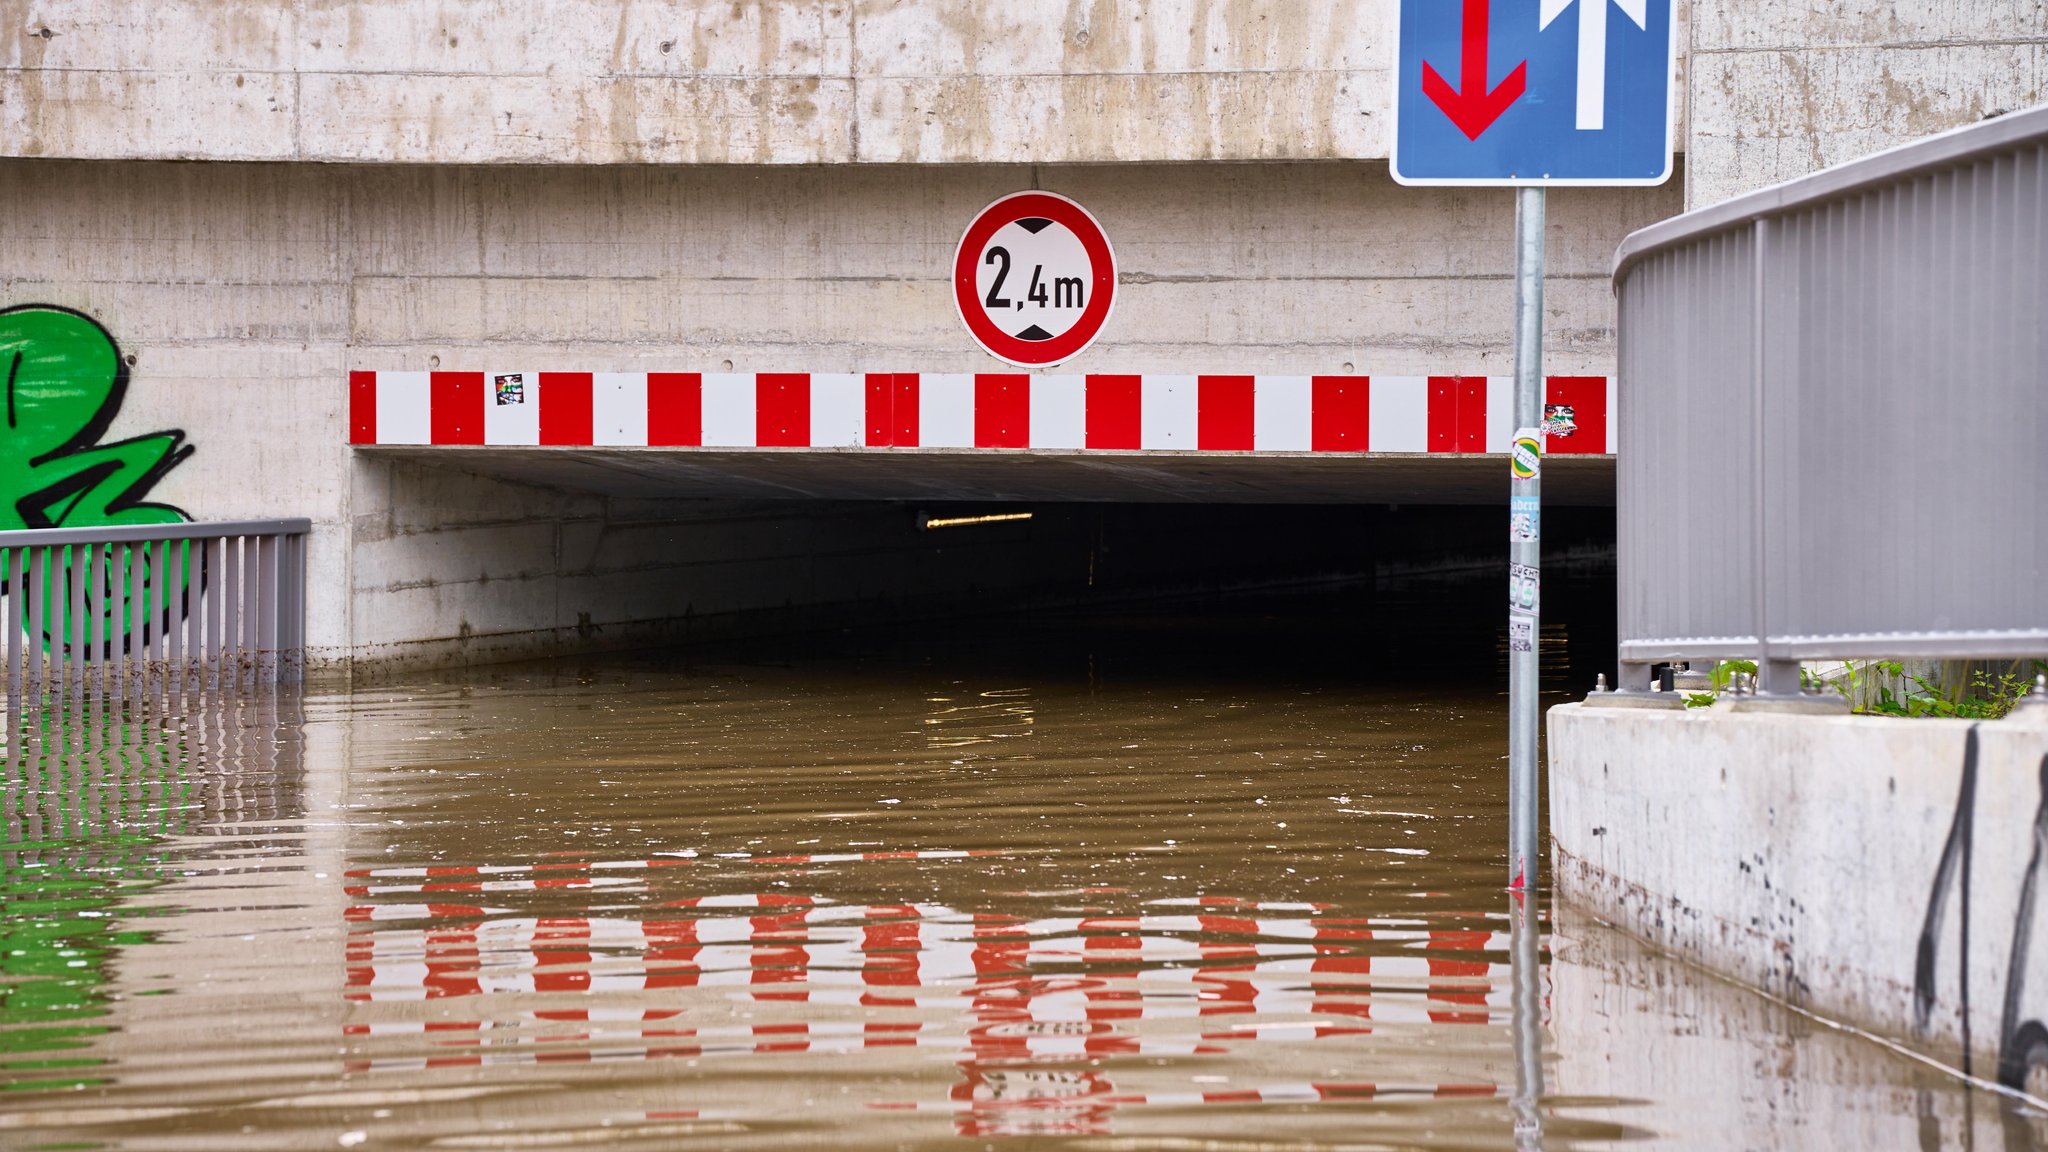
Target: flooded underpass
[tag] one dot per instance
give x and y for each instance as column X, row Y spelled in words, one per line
column 1216, row 872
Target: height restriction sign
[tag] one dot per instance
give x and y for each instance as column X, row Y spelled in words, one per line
column 1034, row 279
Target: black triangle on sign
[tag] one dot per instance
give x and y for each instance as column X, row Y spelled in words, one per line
column 1034, row 333
column 1033, row 224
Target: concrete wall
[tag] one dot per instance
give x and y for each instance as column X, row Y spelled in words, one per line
column 1881, row 871
column 1768, row 91
column 245, row 293
column 1780, row 89
column 696, row 82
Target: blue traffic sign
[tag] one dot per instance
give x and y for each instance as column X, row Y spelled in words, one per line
column 1534, row 92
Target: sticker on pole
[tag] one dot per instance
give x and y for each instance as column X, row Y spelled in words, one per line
column 1525, row 457
column 1525, row 519
column 1525, row 588
column 1522, row 634
column 1034, row 279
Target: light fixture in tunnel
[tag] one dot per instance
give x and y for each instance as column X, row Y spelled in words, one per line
column 928, row 522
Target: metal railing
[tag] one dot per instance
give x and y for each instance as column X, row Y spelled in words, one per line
column 1834, row 423
column 212, row 605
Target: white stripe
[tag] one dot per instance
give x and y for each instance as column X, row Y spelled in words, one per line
column 1059, row 411
column 1168, row 413
column 518, row 420
column 404, row 408
column 728, row 410
column 839, row 410
column 1397, row 417
column 1399, row 968
column 618, row 408
column 1282, row 408
column 1500, row 413
column 945, row 411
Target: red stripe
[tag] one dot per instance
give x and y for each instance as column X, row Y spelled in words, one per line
column 904, row 432
column 1002, row 411
column 672, row 949
column 1473, row 971
column 1443, row 414
column 881, row 408
column 456, row 412
column 1338, row 414
column 675, row 409
column 1471, row 412
column 362, row 407
column 565, row 409
column 550, row 959
column 1587, row 398
column 1113, row 406
column 782, row 410
column 1223, row 414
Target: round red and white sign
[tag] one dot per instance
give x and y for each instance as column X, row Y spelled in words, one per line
column 1034, row 279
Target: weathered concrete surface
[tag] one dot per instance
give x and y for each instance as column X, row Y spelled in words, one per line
column 1779, row 89
column 1881, row 871
column 696, row 82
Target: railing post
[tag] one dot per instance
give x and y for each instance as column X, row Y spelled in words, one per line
column 17, row 590
column 266, row 618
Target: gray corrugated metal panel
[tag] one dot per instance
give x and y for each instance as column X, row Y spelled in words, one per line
column 1898, row 371
column 2009, row 132
column 129, row 533
column 1685, row 411
column 1897, row 335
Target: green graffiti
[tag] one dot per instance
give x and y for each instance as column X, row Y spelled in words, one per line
column 64, row 380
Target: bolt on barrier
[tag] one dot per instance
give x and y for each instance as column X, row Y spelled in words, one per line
column 213, row 605
column 1834, row 422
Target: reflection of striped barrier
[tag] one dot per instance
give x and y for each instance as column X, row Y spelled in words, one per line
column 1034, row 1005
column 514, row 407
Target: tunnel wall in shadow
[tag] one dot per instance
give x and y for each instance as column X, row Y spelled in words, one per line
column 459, row 569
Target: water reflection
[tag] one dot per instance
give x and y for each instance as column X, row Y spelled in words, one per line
column 1036, row 1015
column 854, row 901
column 96, row 785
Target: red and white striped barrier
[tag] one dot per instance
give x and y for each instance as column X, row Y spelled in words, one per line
column 1041, row 412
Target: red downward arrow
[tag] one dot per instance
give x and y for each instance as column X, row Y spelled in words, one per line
column 1473, row 109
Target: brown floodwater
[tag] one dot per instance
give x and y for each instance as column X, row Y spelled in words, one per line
column 1176, row 880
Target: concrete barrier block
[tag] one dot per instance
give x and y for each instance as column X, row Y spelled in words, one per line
column 1878, row 870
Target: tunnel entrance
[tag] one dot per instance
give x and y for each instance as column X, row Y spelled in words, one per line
column 1276, row 593
column 479, row 568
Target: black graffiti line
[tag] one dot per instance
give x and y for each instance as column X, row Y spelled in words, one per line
column 13, row 374
column 1955, row 853
column 2011, row 1053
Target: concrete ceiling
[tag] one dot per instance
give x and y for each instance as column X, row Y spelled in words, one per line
column 980, row 474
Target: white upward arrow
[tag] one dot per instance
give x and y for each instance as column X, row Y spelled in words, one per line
column 1593, row 51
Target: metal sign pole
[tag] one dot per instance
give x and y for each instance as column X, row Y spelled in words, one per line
column 1525, row 534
